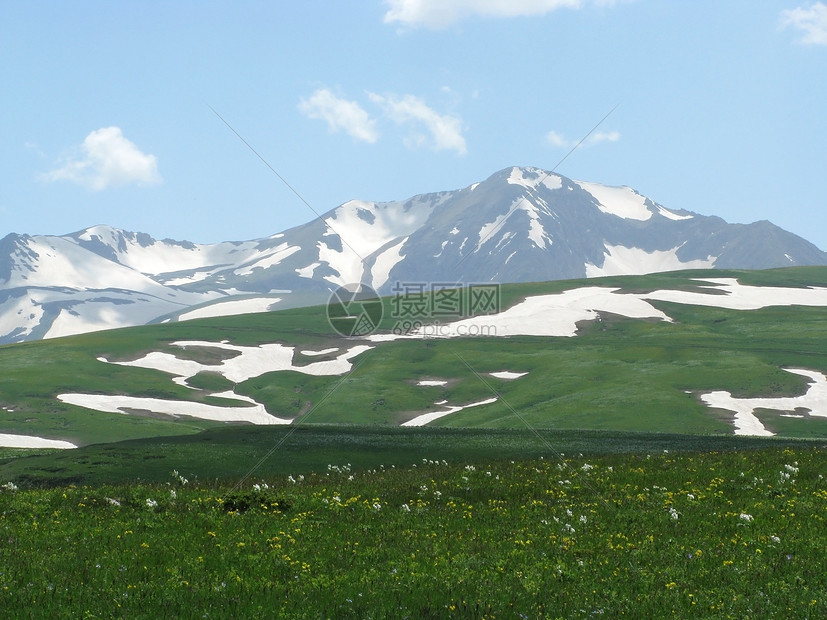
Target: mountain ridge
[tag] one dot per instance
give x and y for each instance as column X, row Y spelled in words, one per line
column 521, row 224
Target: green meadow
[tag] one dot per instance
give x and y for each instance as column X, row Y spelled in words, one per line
column 597, row 485
column 723, row 534
column 616, row 374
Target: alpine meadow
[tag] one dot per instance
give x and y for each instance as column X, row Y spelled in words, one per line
column 413, row 309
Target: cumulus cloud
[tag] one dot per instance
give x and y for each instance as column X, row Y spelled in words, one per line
column 810, row 20
column 107, row 159
column 442, row 13
column 340, row 114
column 555, row 139
column 444, row 132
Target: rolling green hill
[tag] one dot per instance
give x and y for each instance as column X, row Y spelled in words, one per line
column 616, row 374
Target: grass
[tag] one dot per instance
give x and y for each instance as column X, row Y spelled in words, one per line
column 617, row 374
column 646, row 535
column 630, row 499
column 226, row 454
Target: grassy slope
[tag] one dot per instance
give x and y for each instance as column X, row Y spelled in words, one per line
column 618, row 374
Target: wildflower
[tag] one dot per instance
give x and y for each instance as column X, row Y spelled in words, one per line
column 745, row 517
column 113, row 501
column 151, row 503
column 690, row 496
column 674, row 513
column 173, row 494
column 406, row 508
column 583, row 518
column 587, row 466
column 775, row 539
column 10, row 486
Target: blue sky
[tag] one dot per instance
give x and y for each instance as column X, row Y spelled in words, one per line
column 105, row 107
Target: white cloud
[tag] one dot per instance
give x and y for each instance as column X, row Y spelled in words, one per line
column 107, row 159
column 340, row 114
column 811, row 21
column 442, row 13
column 445, row 131
column 604, row 136
column 555, row 139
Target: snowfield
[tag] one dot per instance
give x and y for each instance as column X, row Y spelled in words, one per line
column 255, row 414
column 620, row 260
column 552, row 315
column 29, row 441
column 747, row 423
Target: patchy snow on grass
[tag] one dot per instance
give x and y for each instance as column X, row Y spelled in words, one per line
column 549, row 315
column 432, row 382
column 425, row 418
column 255, row 414
column 29, row 441
column 742, row 296
column 232, row 307
column 251, row 361
column 322, row 352
column 747, row 423
column 507, row 375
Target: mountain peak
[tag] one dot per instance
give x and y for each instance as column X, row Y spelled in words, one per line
column 520, row 224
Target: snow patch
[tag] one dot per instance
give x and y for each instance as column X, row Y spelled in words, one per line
column 671, row 215
column 747, row 423
column 322, row 352
column 385, row 262
column 232, row 307
column 743, row 297
column 30, row 441
column 269, row 259
column 432, row 382
column 531, row 178
column 307, row 272
column 622, row 202
column 251, row 361
column 620, row 260
column 507, row 375
column 426, row 418
column 255, row 414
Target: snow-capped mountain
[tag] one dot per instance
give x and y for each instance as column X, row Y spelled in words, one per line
column 520, row 224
